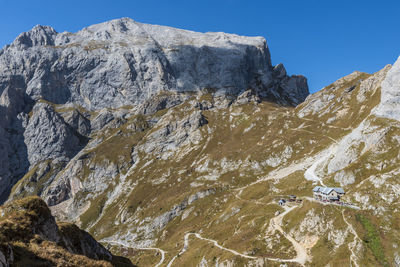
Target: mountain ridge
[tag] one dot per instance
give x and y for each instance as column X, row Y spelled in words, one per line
column 198, row 175
column 116, row 64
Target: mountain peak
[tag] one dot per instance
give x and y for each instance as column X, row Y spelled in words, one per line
column 37, row 36
column 124, row 62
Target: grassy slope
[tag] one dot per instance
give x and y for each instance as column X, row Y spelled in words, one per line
column 245, row 137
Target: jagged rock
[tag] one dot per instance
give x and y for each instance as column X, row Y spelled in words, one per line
column 292, row 89
column 279, row 71
column 123, row 62
column 246, row 97
column 161, row 101
column 78, row 122
column 389, row 107
column 38, row 36
column 101, row 120
column 4, row 164
column 47, row 136
column 32, row 230
column 13, row 101
column 173, row 134
column 120, row 63
column 78, row 241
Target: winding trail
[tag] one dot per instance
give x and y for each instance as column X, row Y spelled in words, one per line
column 307, row 131
column 351, row 206
column 352, row 245
column 162, row 252
column 186, row 246
column 324, row 124
column 309, row 164
column 275, row 224
column 282, row 172
column 309, row 174
column 301, row 252
column 217, row 245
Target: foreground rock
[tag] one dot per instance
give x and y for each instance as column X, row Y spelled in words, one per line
column 30, row 236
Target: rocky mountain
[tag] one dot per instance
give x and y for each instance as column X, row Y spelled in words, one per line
column 30, row 236
column 173, row 148
column 121, row 63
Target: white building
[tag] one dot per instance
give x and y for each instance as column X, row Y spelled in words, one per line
column 328, row 193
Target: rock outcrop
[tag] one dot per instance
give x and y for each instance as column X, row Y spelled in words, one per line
column 47, row 136
column 389, row 107
column 29, row 235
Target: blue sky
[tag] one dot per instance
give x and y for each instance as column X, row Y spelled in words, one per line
column 323, row 40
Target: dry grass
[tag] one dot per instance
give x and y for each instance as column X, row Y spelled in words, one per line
column 25, row 227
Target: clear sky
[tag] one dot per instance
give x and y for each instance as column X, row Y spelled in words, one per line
column 323, row 40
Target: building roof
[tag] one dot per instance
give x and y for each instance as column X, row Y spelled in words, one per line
column 316, row 189
column 328, row 190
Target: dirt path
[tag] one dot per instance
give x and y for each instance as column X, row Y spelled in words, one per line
column 323, row 155
column 301, row 252
column 310, row 175
column 352, row 245
column 281, row 172
column 162, row 252
column 324, row 124
column 332, row 203
column 275, row 224
column 186, row 246
column 307, row 131
column 219, row 246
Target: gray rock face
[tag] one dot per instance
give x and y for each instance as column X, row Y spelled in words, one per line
column 82, row 243
column 4, row 162
column 47, row 136
column 102, row 119
column 38, row 36
column 13, row 108
column 389, row 106
column 174, row 133
column 161, row 221
column 86, row 75
column 123, row 62
column 78, row 122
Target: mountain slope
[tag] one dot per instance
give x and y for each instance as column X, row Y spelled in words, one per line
column 116, row 64
column 174, row 147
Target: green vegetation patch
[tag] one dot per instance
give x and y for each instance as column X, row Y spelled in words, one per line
column 372, row 239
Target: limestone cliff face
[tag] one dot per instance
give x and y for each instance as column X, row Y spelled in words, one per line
column 117, row 64
column 123, row 62
column 389, row 107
